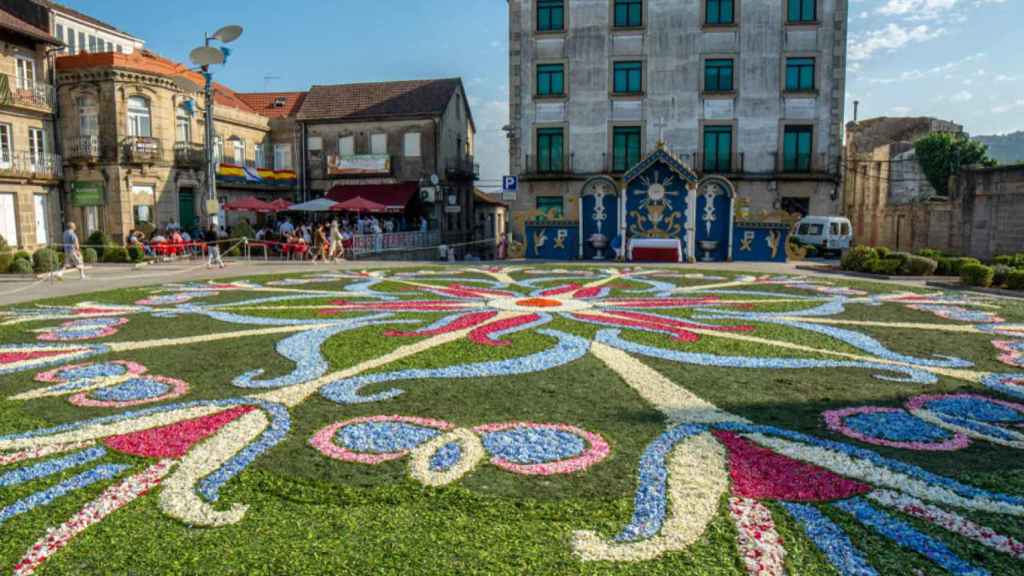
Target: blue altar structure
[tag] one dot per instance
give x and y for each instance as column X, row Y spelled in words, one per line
column 662, row 206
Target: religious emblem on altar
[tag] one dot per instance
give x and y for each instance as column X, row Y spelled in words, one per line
column 662, row 211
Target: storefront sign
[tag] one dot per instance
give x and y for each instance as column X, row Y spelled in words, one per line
column 360, row 164
column 87, row 193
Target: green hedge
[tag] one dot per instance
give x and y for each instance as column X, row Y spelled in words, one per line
column 977, row 275
column 115, row 254
column 100, row 241
column 89, row 255
column 920, row 266
column 21, row 266
column 45, row 260
column 22, row 255
column 1015, row 280
column 857, row 258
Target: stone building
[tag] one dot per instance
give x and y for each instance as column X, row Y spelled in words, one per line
column 81, row 32
column 29, row 169
column 133, row 141
column 406, row 144
column 882, row 173
column 751, row 90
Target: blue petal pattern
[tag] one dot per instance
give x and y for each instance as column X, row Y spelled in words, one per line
column 45, row 497
column 50, row 467
column 533, row 445
column 907, row 537
column 568, row 349
column 383, row 437
column 446, row 457
column 831, row 540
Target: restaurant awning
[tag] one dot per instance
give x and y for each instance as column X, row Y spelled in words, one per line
column 248, row 204
column 280, row 204
column 318, row 205
column 395, row 197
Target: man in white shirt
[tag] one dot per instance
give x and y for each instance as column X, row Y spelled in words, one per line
column 286, row 227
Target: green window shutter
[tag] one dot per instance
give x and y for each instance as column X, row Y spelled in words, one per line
column 800, row 74
column 625, row 148
column 726, row 12
column 718, row 76
column 797, row 148
column 550, row 15
column 802, row 10
column 550, row 79
column 550, row 157
column 719, row 11
column 718, row 149
column 546, row 203
column 628, row 13
column 628, row 78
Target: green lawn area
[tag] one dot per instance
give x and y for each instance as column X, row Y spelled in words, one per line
column 518, row 420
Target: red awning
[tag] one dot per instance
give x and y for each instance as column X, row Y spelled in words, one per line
column 280, row 204
column 395, row 197
column 248, row 204
column 359, row 204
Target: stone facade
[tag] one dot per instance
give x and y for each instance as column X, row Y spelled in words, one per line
column 673, row 44
column 151, row 176
column 882, row 174
column 29, row 169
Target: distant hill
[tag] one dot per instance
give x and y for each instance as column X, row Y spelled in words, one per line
column 1006, row 149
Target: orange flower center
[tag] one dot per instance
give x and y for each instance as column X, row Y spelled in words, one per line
column 539, row 303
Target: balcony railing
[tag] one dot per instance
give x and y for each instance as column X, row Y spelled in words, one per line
column 546, row 166
column 462, row 168
column 82, row 148
column 25, row 92
column 28, row 164
column 189, row 154
column 141, row 149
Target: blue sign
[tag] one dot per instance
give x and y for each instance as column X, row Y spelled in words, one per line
column 759, row 242
column 552, row 241
column 510, row 184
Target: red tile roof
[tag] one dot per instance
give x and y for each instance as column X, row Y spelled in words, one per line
column 147, row 61
column 485, row 198
column 263, row 103
column 378, row 99
column 11, row 22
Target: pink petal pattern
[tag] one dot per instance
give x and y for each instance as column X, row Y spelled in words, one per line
column 759, row 543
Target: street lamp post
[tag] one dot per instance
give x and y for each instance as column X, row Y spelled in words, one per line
column 206, row 56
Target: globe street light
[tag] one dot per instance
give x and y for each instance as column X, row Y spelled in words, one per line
column 204, row 57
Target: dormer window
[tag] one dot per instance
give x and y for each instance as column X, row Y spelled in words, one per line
column 280, row 101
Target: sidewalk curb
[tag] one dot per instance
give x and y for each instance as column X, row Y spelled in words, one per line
column 864, row 275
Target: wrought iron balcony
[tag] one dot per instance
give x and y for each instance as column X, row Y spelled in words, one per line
column 25, row 92
column 550, row 166
column 462, row 168
column 141, row 149
column 82, row 148
column 29, row 164
column 189, row 154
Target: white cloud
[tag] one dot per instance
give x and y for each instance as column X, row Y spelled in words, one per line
column 1004, row 108
column 889, row 39
column 961, row 96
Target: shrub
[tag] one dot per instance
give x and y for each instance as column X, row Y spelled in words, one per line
column 999, row 274
column 883, row 252
column 1015, row 280
column 89, row 255
column 5, row 262
column 22, row 255
column 930, row 253
column 243, row 230
column 1011, row 260
column 903, row 258
column 100, row 241
column 115, row 254
column 135, row 253
column 45, row 260
column 21, row 266
column 959, row 264
column 856, row 257
column 977, row 275
column 920, row 266
column 887, row 267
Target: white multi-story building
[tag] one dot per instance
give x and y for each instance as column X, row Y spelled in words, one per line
column 749, row 89
column 83, row 33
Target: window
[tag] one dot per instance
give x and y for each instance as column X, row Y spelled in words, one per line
column 625, row 148
column 143, row 214
column 88, row 125
column 551, row 205
column 60, row 33
column 72, row 46
column 26, row 69
column 797, row 148
column 378, row 144
column 81, row 42
column 550, row 79
column 411, row 146
column 37, row 147
column 119, row 49
column 550, row 150
column 799, row 74
column 8, row 220
column 718, row 149
column 260, row 156
column 347, row 146
column 282, row 157
column 139, row 122
column 5, row 145
column 42, row 213
column 628, row 78
column 718, row 75
column 92, row 43
column 183, row 125
column 237, row 150
column 629, row 13
column 550, row 15
column 801, row 10
column 719, row 12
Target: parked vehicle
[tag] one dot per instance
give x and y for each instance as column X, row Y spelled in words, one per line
column 829, row 234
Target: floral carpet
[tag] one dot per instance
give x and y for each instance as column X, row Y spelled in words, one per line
column 513, row 420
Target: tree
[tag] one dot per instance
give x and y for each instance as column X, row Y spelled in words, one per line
column 942, row 154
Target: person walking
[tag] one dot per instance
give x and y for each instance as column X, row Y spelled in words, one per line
column 212, row 237
column 337, row 242
column 72, row 252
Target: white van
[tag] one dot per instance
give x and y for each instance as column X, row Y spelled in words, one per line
column 826, row 233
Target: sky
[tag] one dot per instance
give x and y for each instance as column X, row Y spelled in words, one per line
column 960, row 60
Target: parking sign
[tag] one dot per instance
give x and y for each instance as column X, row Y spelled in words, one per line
column 509, row 187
